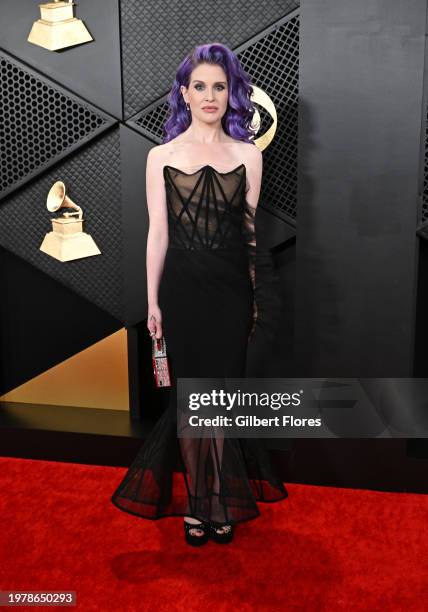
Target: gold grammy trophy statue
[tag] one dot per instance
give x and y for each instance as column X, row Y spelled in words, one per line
column 66, row 241
column 58, row 28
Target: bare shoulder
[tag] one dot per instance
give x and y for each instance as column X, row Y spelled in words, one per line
column 158, row 153
column 252, row 154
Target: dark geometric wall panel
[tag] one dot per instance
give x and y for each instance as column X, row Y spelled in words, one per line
column 156, row 37
column 424, row 212
column 93, row 180
column 272, row 61
column 40, row 123
column 150, row 121
column 90, row 70
column 422, row 218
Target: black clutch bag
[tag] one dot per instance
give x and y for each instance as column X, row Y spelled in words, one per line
column 160, row 362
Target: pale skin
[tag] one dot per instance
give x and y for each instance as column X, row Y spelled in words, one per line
column 203, row 143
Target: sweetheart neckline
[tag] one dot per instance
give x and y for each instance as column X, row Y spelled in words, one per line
column 204, row 168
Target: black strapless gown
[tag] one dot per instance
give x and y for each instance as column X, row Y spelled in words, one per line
column 206, row 298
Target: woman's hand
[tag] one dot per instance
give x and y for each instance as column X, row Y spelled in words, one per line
column 154, row 321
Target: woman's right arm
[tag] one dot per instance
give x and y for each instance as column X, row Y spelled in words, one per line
column 157, row 239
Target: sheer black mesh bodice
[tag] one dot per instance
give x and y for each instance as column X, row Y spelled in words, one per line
column 206, row 298
column 206, row 207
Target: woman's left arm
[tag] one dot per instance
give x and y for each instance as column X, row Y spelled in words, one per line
column 254, row 171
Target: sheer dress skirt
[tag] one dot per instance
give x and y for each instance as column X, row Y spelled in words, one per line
column 206, row 301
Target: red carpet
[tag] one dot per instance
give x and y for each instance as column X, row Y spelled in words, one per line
column 321, row 549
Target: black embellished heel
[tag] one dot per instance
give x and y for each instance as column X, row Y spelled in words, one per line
column 196, row 540
column 224, row 536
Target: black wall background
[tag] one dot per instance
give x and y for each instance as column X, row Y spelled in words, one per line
column 361, row 91
column 344, row 186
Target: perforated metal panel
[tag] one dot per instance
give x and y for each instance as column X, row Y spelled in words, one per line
column 272, row 61
column 424, row 211
column 156, row 37
column 92, row 178
column 39, row 123
column 422, row 229
column 150, row 122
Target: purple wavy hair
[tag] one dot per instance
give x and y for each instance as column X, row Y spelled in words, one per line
column 240, row 110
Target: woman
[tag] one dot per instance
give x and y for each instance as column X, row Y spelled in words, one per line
column 202, row 187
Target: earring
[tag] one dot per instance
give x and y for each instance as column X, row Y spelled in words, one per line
column 188, row 106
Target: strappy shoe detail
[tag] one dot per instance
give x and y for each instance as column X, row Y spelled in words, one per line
column 193, row 539
column 222, row 534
